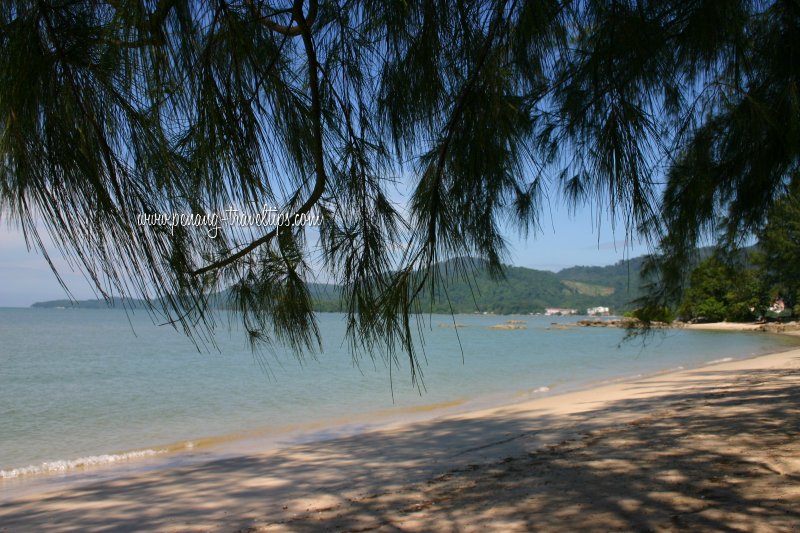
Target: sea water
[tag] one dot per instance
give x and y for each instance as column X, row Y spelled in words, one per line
column 82, row 388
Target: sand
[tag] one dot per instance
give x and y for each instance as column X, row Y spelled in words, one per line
column 710, row 449
column 790, row 328
column 725, row 326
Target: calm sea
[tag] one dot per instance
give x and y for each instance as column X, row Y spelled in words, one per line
column 80, row 388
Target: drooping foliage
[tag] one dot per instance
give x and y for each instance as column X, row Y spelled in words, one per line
column 739, row 150
column 779, row 247
column 488, row 108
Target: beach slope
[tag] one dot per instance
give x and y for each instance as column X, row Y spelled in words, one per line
column 708, row 449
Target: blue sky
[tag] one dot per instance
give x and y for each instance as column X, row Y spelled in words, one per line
column 565, row 240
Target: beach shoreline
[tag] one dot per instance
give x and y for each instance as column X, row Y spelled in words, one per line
column 781, row 328
column 287, row 487
column 207, row 448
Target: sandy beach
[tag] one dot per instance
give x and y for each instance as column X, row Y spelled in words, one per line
column 709, row 449
column 784, row 329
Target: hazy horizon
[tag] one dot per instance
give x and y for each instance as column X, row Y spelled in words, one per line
column 565, row 240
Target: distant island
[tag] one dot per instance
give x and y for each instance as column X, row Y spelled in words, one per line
column 524, row 290
column 97, row 303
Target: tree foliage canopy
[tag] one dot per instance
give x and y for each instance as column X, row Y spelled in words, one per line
column 110, row 109
column 723, row 289
column 780, row 251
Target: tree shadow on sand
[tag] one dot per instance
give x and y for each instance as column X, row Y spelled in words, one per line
column 722, row 455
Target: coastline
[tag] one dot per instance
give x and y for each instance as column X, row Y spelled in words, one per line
column 788, row 328
column 68, row 473
column 791, row 329
column 334, row 479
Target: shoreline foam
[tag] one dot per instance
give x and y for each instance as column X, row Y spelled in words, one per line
column 62, row 466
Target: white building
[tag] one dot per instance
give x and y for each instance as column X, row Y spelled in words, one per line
column 778, row 306
column 558, row 311
column 598, row 311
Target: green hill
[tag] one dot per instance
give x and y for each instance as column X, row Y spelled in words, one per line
column 620, row 282
column 118, row 303
column 524, row 290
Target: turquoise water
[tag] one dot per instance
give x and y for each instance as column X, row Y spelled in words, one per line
column 82, row 387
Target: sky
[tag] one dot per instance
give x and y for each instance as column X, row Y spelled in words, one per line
column 565, row 240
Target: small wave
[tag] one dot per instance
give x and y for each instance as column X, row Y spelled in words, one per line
column 528, row 393
column 723, row 360
column 56, row 467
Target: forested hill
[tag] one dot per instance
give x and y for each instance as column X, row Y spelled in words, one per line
column 622, row 277
column 129, row 303
column 524, row 290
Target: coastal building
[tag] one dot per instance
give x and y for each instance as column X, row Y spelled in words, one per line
column 778, row 306
column 559, row 311
column 598, row 311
